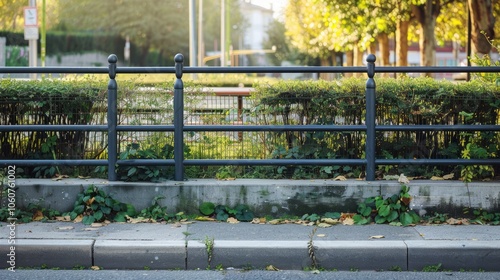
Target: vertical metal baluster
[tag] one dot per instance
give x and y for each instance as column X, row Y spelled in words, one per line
column 112, row 119
column 370, row 119
column 179, row 119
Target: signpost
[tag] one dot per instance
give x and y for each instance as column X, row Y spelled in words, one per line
column 31, row 33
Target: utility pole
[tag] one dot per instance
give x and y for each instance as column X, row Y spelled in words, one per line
column 223, row 33
column 200, row 33
column 192, row 34
column 43, row 42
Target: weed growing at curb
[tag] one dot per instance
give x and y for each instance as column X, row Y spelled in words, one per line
column 312, row 250
column 209, row 246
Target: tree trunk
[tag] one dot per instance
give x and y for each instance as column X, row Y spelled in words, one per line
column 402, row 43
column 426, row 16
column 358, row 59
column 325, row 62
column 482, row 20
column 383, row 44
column 349, row 61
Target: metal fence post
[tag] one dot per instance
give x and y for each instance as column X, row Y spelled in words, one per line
column 370, row 119
column 178, row 119
column 112, row 119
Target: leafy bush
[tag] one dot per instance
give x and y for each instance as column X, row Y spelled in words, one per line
column 94, row 205
column 394, row 210
column 48, row 102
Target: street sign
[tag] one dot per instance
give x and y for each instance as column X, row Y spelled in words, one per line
column 30, row 16
column 30, row 23
column 30, row 33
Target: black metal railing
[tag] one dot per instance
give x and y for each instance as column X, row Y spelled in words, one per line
column 178, row 127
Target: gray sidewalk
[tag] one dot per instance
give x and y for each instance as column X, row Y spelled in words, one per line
column 245, row 245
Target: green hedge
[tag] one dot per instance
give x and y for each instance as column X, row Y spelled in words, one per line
column 407, row 101
column 48, row 102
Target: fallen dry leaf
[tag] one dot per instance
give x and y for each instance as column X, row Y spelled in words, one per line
column 137, row 220
column 403, row 179
column 95, row 267
column 348, row 222
column 321, row 235
column 436, row 178
column 228, row 179
column 340, row 178
column 453, row 221
column 449, row 176
column 38, row 216
column 272, row 268
column 232, row 220
column 78, row 219
column 377, row 237
column 59, row 177
column 84, row 177
column 204, row 219
column 255, row 221
column 90, row 229
column 344, row 216
column 324, row 225
column 274, row 222
column 330, row 221
column 63, row 218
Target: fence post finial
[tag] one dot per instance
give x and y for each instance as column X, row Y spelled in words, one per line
column 112, row 59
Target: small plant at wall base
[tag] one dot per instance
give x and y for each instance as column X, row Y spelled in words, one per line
column 94, row 205
column 222, row 213
column 394, row 210
column 158, row 213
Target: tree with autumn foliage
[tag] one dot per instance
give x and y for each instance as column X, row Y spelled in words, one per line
column 320, row 27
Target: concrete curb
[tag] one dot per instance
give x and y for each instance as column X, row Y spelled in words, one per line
column 454, row 254
column 140, row 254
column 411, row 255
column 62, row 253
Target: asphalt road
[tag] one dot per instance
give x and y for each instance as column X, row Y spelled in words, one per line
column 237, row 274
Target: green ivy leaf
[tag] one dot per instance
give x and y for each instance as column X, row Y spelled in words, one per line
column 207, row 208
column 79, row 209
column 333, row 215
column 120, row 217
column 106, row 210
column 222, row 216
column 393, row 216
column 406, row 219
column 384, row 210
column 87, row 220
column 380, row 220
column 131, row 171
column 360, row 220
column 98, row 215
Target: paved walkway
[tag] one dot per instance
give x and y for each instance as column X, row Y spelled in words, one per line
column 246, row 245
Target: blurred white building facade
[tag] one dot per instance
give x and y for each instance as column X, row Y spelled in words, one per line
column 259, row 18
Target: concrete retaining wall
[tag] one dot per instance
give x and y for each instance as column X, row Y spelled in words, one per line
column 265, row 197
